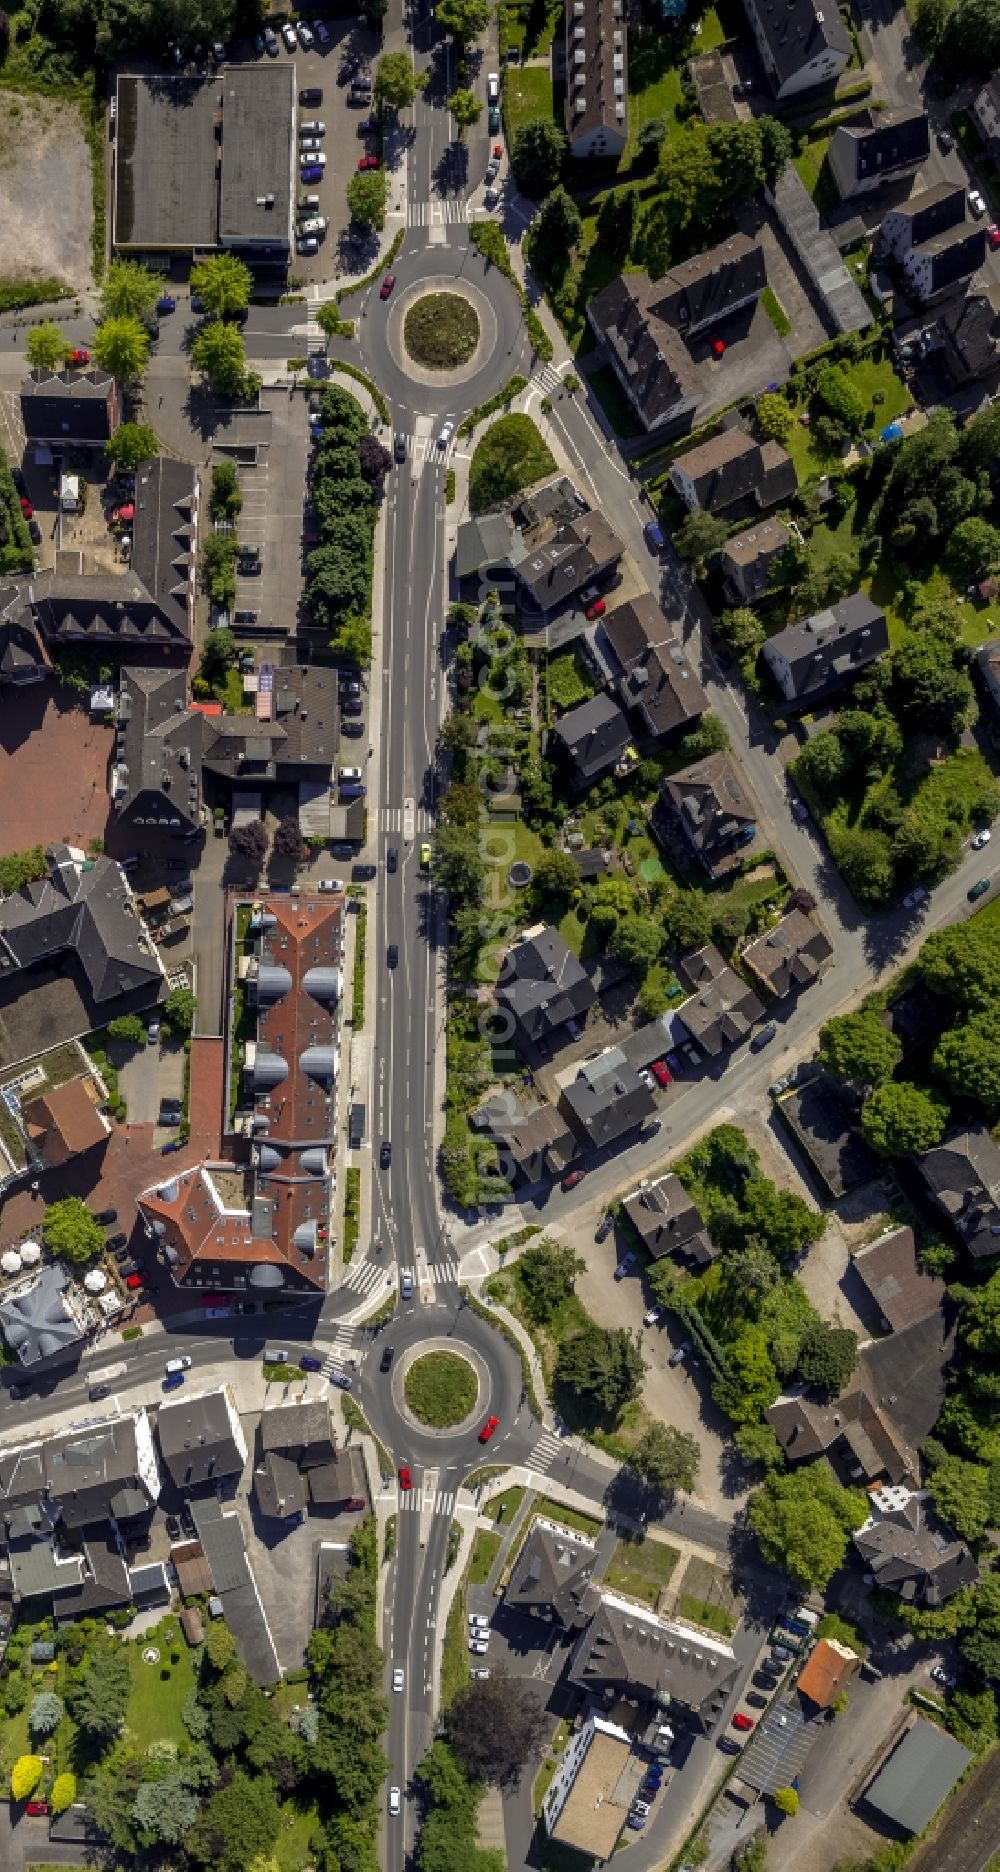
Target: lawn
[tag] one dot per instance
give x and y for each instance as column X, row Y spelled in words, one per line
column 711, row 1617
column 873, row 377
column 485, row 1548
column 527, row 95
column 568, row 1517
column 504, row 1507
column 441, row 1388
column 455, row 1654
column 655, row 63
column 441, row 330
column 814, row 170
column 531, row 25
column 566, row 681
column 296, row 1827
column 159, row 1691
column 511, row 455
column 641, row 1569
column 614, row 402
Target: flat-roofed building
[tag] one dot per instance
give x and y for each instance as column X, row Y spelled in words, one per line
column 589, row 1796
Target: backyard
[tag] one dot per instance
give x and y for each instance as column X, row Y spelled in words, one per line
column 655, row 62
column 885, row 395
column 642, row 1569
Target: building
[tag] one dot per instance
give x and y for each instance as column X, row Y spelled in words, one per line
column 293, row 1441
column 536, row 1144
column 988, row 664
column 986, row 110
column 732, row 467
column 884, row 147
column 43, row 1315
column 550, row 1578
column 698, row 295
column 667, row 1221
column 903, row 1290
column 962, row 1176
column 826, row 1131
column 338, row 1484
column 722, row 1010
column 820, row 655
column 587, row 1801
column 944, row 262
column 85, row 910
column 65, row 1121
column 156, row 774
column 627, row 1651
column 543, row 986
column 578, row 552
column 790, row 955
column 486, row 543
column 802, row 43
column 233, row 1585
column 607, row 1099
column 827, row 1672
column 206, row 162
column 708, row 804
column 105, row 1470
column 201, row 1438
column 918, row 1777
column 652, row 670
column 906, row 1550
column 596, row 107
column 23, row 656
column 263, row 1225
column 291, row 734
column 70, row 409
column 751, row 561
column 591, row 740
column 932, row 212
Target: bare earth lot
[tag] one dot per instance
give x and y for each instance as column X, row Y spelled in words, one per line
column 45, row 187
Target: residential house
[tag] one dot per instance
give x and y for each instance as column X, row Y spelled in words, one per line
column 65, row 1121
column 536, row 1144
column 751, row 561
column 732, row 467
column 485, row 544
column 962, row 1176
column 903, row 1545
column 543, row 985
column 293, row 1439
column 587, row 1801
column 988, row 664
column 84, row 910
column 23, row 656
column 577, row 553
column 917, row 1778
column 722, row 1010
column 667, row 1221
column 790, row 954
column 607, row 1099
column 70, row 409
column 591, row 740
column 43, row 1315
column 945, row 262
column 903, row 1290
column 102, row 1471
column 826, row 1131
column 709, row 804
column 224, row 1547
column 816, row 657
column 596, row 106
column 653, row 672
column 629, row 1652
column 963, row 339
column 802, row 43
column 550, row 1578
column 290, row 735
column 339, row 1484
column 884, row 147
column 914, row 222
column 262, row 1224
column 156, row 774
column 986, row 110
column 827, row 1672
column 201, row 1438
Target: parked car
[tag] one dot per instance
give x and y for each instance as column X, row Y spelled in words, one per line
column 478, row 1646
column 764, row 1036
column 572, row 1178
column 625, row 1266
column 742, row 1721
column 915, row 897
column 173, row 1381
column 979, row 889
column 993, row 235
column 394, row 1802
column 660, row 1072
column 178, row 1364
column 27, row 510
column 312, row 159
column 311, row 172
column 309, row 1362
column 34, row 532
column 982, row 838
column 307, row 38
column 37, row 1808
column 106, row 1216
column 316, row 224
column 944, row 1677
column 288, row 35
column 654, row 1316
column 272, row 44
column 604, row 1228
column 977, row 204
column 369, row 161
column 342, row 1380
column 79, row 356
column 493, row 88
column 385, row 1154
column 597, row 609
column 945, row 141
column 728, row 1744
column 311, row 94
column 312, row 127
column 678, row 1357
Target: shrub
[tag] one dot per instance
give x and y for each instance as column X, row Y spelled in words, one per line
column 25, row 1776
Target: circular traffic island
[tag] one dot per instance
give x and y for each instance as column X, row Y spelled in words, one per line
column 441, row 1389
column 441, row 330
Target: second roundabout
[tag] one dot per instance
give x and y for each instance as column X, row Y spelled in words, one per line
column 503, row 347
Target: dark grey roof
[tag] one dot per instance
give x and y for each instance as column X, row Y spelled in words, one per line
column 667, row 1220
column 163, row 534
column 731, row 467
column 22, row 654
column 280, row 1490
column 299, row 1430
column 909, row 1552
column 906, row 1374
column 551, row 1574
column 797, row 31
column 955, row 254
column 37, row 1323
column 818, row 1114
column 86, row 911
column 700, row 292
column 931, row 211
column 258, row 117
column 627, row 1649
column 963, row 1176
column 902, row 1288
column 657, row 678
column 76, row 1474
column 338, row 1480
column 710, row 800
column 919, row 1774
column 543, row 984
column 304, row 735
column 722, row 1013
column 790, row 954
column 222, row 1540
column 71, row 406
column 157, row 767
column 197, row 1440
column 486, row 541
column 578, row 551
column 593, row 737
column 540, row 1142
column 826, row 650
column 607, row 1098
column 888, row 142
column 659, row 372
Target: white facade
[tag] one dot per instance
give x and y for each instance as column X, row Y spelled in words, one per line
column 986, row 110
column 825, row 65
column 573, row 1757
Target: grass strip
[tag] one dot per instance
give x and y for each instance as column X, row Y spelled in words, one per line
column 501, row 1326
column 511, row 389
column 351, row 370
column 356, row 286
column 489, row 241
column 358, row 985
column 352, row 1211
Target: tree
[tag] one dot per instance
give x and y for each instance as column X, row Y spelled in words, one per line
column 931, row 693
column 219, row 353
column 687, row 920
column 179, row 1010
column 220, row 1646
column 63, row 1792
column 555, row 231
column 495, row 1725
column 238, row 1822
column 70, row 1231
column 367, row 197
column 288, row 838
column 700, row 535
column 351, row 641
column 900, row 1120
column 757, row 1446
column 128, row 1027
column 466, row 109
column 25, row 1776
column 165, row 1810
column 827, row 1356
column 802, row 1521
column 556, row 875
column 537, row 154
column 748, row 1275
column 651, row 138
column 838, row 393
column 226, row 501
column 223, row 283
column 751, row 1385
column 46, row 347
column 98, row 1700
column 780, row 1219
column 464, row 19
column 863, row 856
column 46, row 1713
column 859, row 1047
column 396, row 80
column 967, row 1058
column 961, row 1496
column 616, row 221
column 121, row 347
column 602, row 1364
column 374, row 461
column 774, row 416
column 219, row 554
column 131, row 445
column 546, row 1275
column 979, row 444
column 972, row 550
column 786, row 1800
column 459, row 866
column 130, row 291
column 637, row 941
column 970, row 42
column 667, row 1458
column 775, row 149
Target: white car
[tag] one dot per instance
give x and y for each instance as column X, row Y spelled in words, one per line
column 945, row 1677
column 394, row 1801
column 307, row 38
column 480, row 1673
column 330, row 884
column 316, row 224
column 653, row 1317
column 445, row 433
column 479, row 1646
column 397, row 1677
column 309, row 143
column 977, row 204
column 478, row 1622
column 288, row 35
column 312, row 128
column 982, row 838
column 177, row 1364
column 493, row 89
column 312, row 159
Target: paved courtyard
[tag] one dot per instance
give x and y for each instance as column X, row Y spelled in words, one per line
column 46, row 734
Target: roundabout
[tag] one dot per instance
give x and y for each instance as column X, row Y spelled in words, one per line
column 442, row 1389
column 441, row 330
column 446, row 274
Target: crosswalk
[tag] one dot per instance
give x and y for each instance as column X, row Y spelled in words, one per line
column 344, row 1341
column 363, row 1277
column 437, row 213
column 547, row 377
column 545, row 1452
column 438, row 1502
column 391, row 819
column 442, row 1273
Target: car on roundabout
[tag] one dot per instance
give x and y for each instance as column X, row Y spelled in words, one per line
column 490, row 1427
column 405, row 1478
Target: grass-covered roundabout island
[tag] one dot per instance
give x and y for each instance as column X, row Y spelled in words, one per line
column 441, row 330
column 441, row 1389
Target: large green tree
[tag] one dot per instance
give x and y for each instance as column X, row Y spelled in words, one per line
column 466, row 108
column 165, row 1810
column 99, row 1698
column 537, row 155
column 368, row 197
column 132, row 444
column 130, row 290
column 495, row 1725
column 637, row 941
column 224, row 284
column 546, row 1276
column 219, row 353
column 802, row 1521
column 554, row 233
column 121, row 347
column 751, row 1385
column 464, row 19
column 46, row 346
column 397, row 82
column 902, row 1119
column 459, row 865
column 967, row 1058
column 239, row 1821
column 932, row 693
column 859, row 1047
column 827, row 1356
column 667, row 1458
column 700, row 536
column 602, row 1365
column 70, row 1231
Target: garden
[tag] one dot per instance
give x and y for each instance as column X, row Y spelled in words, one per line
column 510, row 456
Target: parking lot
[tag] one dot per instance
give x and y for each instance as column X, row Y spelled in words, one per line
column 273, row 491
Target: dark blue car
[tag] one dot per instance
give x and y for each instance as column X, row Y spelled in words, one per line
column 309, row 1363
column 173, row 1380
column 167, row 304
column 311, row 173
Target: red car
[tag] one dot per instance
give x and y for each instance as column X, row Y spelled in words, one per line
column 572, row 1178
column 79, row 357
column 491, row 1424
column 497, row 151
column 133, row 1281
column 660, row 1073
column 596, row 610
column 37, row 1808
column 993, row 234
column 740, row 1721
column 405, row 1478
column 26, row 508
column 387, row 285
column 367, row 162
